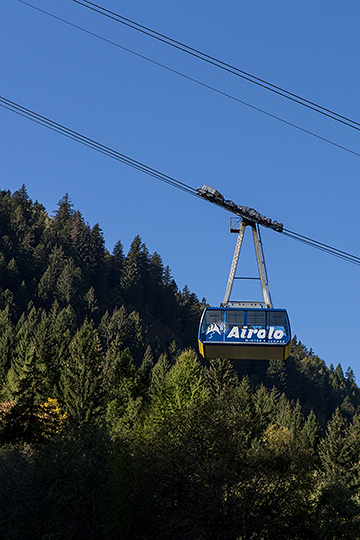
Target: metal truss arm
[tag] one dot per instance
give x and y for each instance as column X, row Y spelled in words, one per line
column 234, row 264
column 260, row 263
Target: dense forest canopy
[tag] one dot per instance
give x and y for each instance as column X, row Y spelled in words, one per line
column 111, row 427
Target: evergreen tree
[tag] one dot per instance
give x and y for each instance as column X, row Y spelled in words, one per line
column 68, row 284
column 145, row 369
column 277, row 373
column 28, row 382
column 158, row 375
column 155, row 286
column 177, row 388
column 125, row 327
column 311, row 431
column 81, row 381
column 62, row 221
column 6, row 343
column 91, row 301
column 114, row 268
column 124, row 392
column 134, row 271
column 221, row 376
column 48, row 281
column 334, row 449
column 266, row 405
column 118, row 256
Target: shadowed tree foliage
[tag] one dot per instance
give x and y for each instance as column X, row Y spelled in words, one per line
column 81, row 376
column 111, row 427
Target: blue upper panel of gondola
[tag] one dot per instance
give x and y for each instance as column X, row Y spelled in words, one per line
column 245, row 325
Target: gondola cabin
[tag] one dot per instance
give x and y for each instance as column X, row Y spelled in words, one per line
column 244, row 333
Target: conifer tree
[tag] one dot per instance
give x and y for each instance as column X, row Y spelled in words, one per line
column 311, row 431
column 91, row 301
column 13, row 274
column 144, row 371
column 125, row 327
column 221, row 376
column 62, row 221
column 125, row 392
column 28, row 383
column 114, row 268
column 119, row 257
column 155, row 286
column 158, row 375
column 51, row 340
column 68, row 284
column 134, row 269
column 81, row 381
column 277, row 373
column 179, row 388
column 289, row 416
column 78, row 233
column 63, row 327
column 265, row 404
column 245, row 400
column 170, row 308
column 334, row 450
column 97, row 250
column 173, row 351
column 47, row 282
column 6, row 343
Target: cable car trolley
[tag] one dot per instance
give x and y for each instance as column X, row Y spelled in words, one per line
column 245, row 330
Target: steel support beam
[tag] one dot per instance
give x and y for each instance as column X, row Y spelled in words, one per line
column 260, row 264
column 260, row 268
column 234, row 264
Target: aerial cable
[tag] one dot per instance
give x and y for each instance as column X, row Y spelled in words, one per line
column 220, row 64
column 196, row 81
column 332, row 251
column 106, row 150
column 353, row 260
column 323, row 247
column 228, row 81
column 59, row 128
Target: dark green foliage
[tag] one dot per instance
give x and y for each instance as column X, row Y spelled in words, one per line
column 203, row 464
column 134, row 270
column 311, row 431
column 44, row 259
column 221, row 376
column 338, row 495
column 145, row 368
column 338, row 515
column 6, row 343
column 305, row 377
column 111, row 428
column 125, row 392
column 81, row 377
column 55, row 491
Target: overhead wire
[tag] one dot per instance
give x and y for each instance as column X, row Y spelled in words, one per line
column 220, row 64
column 91, row 143
column 114, row 154
column 212, row 74
column 322, row 247
column 196, row 81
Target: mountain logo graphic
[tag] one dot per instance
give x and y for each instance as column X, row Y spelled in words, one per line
column 212, row 328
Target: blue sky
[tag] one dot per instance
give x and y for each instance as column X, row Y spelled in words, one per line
column 198, row 136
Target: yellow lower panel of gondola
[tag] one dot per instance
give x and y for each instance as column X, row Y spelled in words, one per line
column 244, row 351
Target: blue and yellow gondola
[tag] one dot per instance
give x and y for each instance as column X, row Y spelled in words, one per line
column 244, row 333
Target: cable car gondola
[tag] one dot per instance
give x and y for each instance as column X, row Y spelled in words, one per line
column 245, row 330
column 244, row 333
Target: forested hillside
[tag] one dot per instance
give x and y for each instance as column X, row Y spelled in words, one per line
column 112, row 428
